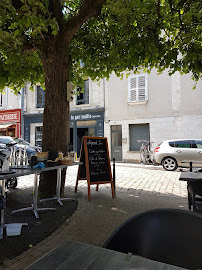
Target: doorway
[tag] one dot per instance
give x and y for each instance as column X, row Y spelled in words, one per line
column 80, row 133
column 84, row 131
column 71, row 142
column 116, row 142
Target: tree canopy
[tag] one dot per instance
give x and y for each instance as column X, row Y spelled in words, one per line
column 114, row 36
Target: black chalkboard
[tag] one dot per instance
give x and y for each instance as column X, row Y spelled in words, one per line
column 98, row 160
column 95, row 160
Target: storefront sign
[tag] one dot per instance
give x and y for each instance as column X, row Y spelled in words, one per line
column 10, row 116
column 85, row 116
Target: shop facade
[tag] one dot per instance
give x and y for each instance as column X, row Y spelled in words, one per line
column 10, row 123
column 82, row 123
column 85, row 123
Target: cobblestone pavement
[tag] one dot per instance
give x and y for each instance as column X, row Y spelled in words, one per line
column 138, row 189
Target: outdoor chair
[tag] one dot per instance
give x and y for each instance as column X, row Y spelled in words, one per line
column 170, row 236
column 194, row 190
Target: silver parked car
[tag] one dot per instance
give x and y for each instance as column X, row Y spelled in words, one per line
column 171, row 153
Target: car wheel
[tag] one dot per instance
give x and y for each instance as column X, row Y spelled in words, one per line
column 169, row 164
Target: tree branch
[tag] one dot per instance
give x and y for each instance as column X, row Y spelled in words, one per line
column 29, row 47
column 89, row 9
column 55, row 8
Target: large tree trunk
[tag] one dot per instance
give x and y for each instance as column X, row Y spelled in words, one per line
column 56, row 131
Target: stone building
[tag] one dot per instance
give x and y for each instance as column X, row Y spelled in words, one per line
column 10, row 113
column 150, row 107
column 138, row 107
column 86, row 114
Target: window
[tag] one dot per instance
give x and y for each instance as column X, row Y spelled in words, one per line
column 137, row 88
column 40, row 97
column 116, row 132
column 137, row 133
column 198, row 144
column 172, row 144
column 3, row 98
column 183, row 144
column 38, row 136
column 5, row 140
column 83, row 96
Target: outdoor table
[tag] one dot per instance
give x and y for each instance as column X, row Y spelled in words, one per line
column 36, row 172
column 193, row 189
column 34, row 205
column 3, row 178
column 190, row 176
column 59, row 169
column 80, row 256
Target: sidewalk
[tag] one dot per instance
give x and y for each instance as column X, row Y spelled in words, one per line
column 138, row 189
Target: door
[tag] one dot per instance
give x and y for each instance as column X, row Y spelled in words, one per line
column 83, row 132
column 138, row 132
column 80, row 133
column 197, row 148
column 116, row 142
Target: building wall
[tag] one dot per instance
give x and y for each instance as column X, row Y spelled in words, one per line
column 30, row 101
column 96, row 97
column 84, row 114
column 173, row 110
column 12, row 101
column 10, row 120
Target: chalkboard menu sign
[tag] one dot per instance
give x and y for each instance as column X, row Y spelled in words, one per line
column 95, row 168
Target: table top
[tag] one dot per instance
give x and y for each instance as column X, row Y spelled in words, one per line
column 79, row 256
column 190, row 176
column 16, row 172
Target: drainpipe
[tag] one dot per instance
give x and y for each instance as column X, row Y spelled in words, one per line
column 22, row 112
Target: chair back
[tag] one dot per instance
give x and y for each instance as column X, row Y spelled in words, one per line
column 170, row 236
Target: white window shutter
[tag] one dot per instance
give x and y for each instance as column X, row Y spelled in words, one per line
column 137, row 88
column 141, row 88
column 132, row 89
column 4, row 97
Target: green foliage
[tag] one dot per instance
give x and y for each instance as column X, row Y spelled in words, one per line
column 141, row 35
column 129, row 34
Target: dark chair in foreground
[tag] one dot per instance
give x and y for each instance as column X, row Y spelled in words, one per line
column 194, row 190
column 166, row 235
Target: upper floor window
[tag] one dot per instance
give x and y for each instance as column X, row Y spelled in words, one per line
column 137, row 88
column 3, row 98
column 83, row 96
column 38, row 136
column 40, row 97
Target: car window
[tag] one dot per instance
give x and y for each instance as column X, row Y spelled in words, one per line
column 6, row 140
column 21, row 142
column 172, row 144
column 198, row 144
column 183, row 144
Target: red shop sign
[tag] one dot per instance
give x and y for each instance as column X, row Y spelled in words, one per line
column 10, row 116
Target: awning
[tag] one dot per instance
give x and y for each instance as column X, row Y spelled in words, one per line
column 5, row 126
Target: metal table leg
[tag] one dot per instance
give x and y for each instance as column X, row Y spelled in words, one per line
column 57, row 197
column 34, row 206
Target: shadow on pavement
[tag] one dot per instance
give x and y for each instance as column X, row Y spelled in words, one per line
column 37, row 229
